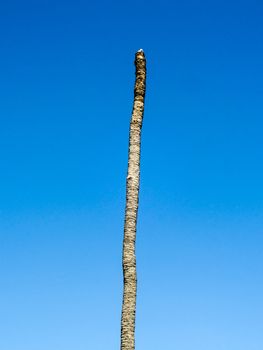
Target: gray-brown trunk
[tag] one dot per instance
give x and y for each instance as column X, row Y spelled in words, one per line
column 132, row 192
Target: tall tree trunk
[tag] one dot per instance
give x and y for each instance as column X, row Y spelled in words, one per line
column 132, row 192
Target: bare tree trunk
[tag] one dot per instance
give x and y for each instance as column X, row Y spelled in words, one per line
column 132, row 192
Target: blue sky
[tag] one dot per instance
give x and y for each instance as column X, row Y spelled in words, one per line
column 66, row 95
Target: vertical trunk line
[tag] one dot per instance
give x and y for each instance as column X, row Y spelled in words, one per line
column 131, row 210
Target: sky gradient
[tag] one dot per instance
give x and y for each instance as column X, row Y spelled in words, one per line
column 66, row 95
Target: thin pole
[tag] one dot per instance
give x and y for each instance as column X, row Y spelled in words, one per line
column 131, row 210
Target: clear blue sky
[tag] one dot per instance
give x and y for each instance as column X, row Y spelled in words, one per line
column 66, row 95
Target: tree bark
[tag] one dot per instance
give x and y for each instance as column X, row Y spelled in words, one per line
column 131, row 210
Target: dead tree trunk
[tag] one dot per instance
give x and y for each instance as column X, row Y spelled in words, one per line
column 132, row 192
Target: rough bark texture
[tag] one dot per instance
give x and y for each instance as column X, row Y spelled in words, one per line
column 132, row 192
